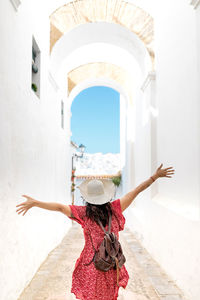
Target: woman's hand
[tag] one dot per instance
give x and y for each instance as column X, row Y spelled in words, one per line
column 25, row 206
column 164, row 172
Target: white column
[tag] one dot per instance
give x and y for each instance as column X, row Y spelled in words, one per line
column 148, row 88
column 129, row 138
column 123, row 143
column 122, row 130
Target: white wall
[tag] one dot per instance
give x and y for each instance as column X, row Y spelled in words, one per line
column 123, row 138
column 33, row 151
column 178, row 100
column 168, row 225
column 197, row 22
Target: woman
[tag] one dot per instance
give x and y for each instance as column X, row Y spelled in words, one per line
column 88, row 283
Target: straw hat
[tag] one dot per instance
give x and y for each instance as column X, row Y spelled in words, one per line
column 97, row 191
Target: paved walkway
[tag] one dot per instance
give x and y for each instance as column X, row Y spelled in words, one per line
column 147, row 280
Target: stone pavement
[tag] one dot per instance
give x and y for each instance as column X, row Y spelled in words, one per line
column 147, row 280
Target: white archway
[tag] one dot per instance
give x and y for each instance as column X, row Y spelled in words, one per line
column 112, row 34
column 63, row 58
column 83, row 39
column 101, row 52
column 124, row 102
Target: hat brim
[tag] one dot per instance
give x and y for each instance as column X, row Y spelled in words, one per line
column 109, row 192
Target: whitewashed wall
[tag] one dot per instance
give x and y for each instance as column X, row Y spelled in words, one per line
column 168, row 225
column 33, row 152
column 178, row 100
column 197, row 30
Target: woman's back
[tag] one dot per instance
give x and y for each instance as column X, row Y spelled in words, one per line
column 88, row 283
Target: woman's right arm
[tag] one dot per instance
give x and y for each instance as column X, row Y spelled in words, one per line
column 127, row 199
column 55, row 206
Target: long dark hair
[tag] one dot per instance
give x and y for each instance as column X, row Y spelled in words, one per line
column 98, row 212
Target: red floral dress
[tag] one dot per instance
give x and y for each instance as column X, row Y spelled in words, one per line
column 88, row 283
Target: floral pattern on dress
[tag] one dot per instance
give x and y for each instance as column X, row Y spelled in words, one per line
column 88, row 283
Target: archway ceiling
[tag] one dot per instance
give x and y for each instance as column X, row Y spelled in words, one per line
column 121, row 12
column 100, row 70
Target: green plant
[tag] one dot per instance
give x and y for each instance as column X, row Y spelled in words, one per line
column 73, row 187
column 116, row 180
column 34, row 87
column 72, row 177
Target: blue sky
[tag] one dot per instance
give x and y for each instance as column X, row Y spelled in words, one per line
column 95, row 120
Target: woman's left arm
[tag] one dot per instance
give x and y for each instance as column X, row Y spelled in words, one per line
column 127, row 199
column 31, row 202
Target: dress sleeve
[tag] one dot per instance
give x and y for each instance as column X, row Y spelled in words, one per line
column 78, row 212
column 118, row 212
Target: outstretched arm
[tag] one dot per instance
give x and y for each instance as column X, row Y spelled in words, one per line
column 127, row 199
column 31, row 202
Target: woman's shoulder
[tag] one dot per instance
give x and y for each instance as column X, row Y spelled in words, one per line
column 78, row 212
column 116, row 206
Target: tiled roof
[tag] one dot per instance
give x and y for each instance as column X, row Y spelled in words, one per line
column 98, row 176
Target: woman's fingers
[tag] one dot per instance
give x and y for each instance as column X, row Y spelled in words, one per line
column 25, row 212
column 19, row 212
column 22, row 207
column 165, row 172
column 27, row 197
column 25, row 206
column 20, row 204
column 169, row 173
column 19, row 209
